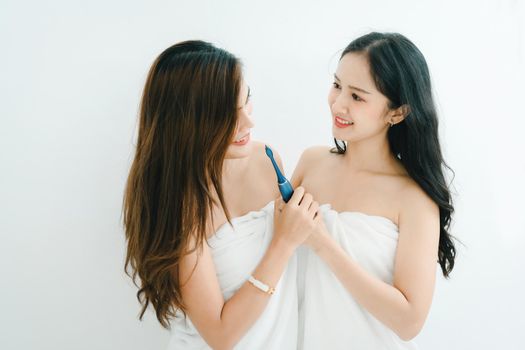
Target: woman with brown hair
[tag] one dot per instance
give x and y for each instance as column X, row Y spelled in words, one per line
column 218, row 270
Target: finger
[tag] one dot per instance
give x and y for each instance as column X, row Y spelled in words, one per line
column 281, row 203
column 298, row 194
column 277, row 206
column 318, row 213
column 306, row 201
column 312, row 204
column 313, row 209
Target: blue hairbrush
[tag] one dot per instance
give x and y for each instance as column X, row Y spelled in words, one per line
column 285, row 187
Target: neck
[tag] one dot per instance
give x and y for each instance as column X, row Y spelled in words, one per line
column 233, row 167
column 370, row 155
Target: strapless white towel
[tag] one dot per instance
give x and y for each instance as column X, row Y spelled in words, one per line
column 329, row 316
column 236, row 253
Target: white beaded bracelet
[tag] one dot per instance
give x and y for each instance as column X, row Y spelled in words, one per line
column 264, row 287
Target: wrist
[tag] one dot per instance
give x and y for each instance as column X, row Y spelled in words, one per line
column 282, row 246
column 320, row 244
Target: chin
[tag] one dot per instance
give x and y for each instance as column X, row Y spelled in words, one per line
column 347, row 138
column 237, row 152
column 339, row 134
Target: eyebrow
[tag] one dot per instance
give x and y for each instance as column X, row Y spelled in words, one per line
column 352, row 87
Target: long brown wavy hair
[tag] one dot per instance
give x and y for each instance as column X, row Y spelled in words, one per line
column 188, row 117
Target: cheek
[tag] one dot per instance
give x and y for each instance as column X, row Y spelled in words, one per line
column 244, row 122
column 368, row 110
column 378, row 114
column 249, row 108
column 332, row 96
column 230, row 153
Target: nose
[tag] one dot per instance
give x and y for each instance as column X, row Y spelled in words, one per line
column 245, row 117
column 339, row 105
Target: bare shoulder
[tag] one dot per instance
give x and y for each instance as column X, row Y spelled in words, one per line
column 262, row 171
column 413, row 193
column 416, row 202
column 259, row 154
column 312, row 156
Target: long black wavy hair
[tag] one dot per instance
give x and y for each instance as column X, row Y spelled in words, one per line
column 401, row 74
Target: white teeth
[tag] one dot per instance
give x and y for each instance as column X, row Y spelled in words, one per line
column 342, row 121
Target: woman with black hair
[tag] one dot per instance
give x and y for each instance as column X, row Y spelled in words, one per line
column 369, row 274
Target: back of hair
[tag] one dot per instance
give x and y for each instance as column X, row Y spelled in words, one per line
column 187, row 120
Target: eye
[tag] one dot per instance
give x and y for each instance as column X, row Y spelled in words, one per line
column 356, row 98
column 336, row 85
column 248, row 96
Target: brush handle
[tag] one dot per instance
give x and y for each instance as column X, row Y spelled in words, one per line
column 280, row 176
column 286, row 190
column 285, row 187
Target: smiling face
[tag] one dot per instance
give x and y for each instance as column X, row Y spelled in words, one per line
column 241, row 144
column 359, row 110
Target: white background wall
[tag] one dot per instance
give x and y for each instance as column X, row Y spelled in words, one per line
column 71, row 74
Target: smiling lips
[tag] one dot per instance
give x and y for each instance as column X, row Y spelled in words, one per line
column 242, row 141
column 342, row 123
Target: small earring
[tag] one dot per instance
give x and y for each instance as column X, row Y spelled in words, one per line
column 391, row 124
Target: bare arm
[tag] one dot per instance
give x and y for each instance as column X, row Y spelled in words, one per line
column 222, row 323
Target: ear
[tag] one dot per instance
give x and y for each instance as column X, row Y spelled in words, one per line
column 399, row 114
